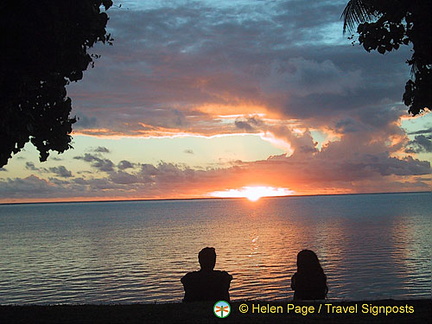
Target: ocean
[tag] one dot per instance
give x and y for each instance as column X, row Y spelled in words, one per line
column 375, row 246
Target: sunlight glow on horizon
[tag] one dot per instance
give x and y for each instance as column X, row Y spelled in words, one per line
column 253, row 193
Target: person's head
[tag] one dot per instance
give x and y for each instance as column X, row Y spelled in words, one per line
column 207, row 258
column 307, row 261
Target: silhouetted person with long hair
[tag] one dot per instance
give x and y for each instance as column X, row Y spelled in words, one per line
column 206, row 284
column 309, row 282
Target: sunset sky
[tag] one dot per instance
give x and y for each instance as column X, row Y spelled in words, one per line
column 198, row 97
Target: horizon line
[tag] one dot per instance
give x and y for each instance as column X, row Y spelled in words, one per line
column 207, row 198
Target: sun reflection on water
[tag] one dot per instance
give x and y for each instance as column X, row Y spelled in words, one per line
column 253, row 193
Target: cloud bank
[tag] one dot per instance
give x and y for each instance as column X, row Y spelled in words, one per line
column 282, row 69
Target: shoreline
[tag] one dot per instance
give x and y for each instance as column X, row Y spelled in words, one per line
column 330, row 311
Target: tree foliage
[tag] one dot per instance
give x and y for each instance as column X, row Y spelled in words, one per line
column 44, row 46
column 385, row 25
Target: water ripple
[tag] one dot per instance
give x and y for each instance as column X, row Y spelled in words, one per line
column 138, row 251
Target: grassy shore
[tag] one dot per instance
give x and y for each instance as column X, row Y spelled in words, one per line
column 398, row 311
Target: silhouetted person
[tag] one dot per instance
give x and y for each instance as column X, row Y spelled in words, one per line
column 309, row 282
column 206, row 284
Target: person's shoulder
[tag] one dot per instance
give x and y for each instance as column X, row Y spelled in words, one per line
column 223, row 274
column 189, row 276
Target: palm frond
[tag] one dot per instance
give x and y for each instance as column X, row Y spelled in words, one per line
column 356, row 12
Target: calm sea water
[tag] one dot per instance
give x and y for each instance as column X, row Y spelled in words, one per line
column 370, row 246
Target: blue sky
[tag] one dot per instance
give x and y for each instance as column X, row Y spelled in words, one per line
column 203, row 96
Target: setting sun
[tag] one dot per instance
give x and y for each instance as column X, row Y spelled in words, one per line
column 253, row 193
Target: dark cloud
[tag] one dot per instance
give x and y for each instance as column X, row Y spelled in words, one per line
column 384, row 165
column 123, row 178
column 61, row 171
column 101, row 149
column 123, row 165
column 320, row 172
column 244, row 125
column 315, row 14
column 101, row 164
column 31, row 186
column 309, row 171
column 347, row 125
column 205, row 68
column 249, row 124
column 422, row 132
column 183, row 56
column 31, row 166
column 420, row 144
column 149, row 170
column 84, row 121
column 279, row 55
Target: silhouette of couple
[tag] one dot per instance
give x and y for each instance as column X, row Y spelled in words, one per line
column 308, row 283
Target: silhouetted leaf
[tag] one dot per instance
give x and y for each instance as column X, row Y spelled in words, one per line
column 44, row 47
column 384, row 25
